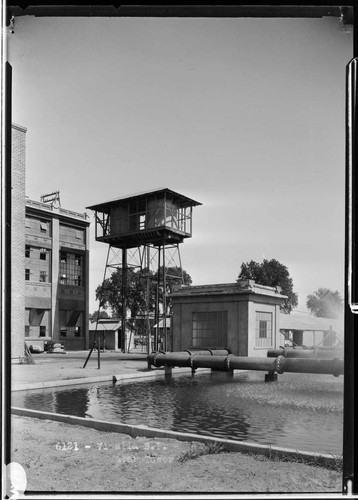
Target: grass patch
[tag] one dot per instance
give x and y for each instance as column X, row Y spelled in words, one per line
column 336, row 464
column 199, row 449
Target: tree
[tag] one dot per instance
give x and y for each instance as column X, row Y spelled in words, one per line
column 325, row 303
column 174, row 276
column 102, row 315
column 109, row 293
column 271, row 273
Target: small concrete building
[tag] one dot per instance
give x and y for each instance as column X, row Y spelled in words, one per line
column 243, row 317
column 109, row 332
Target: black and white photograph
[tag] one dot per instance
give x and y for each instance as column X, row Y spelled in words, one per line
column 177, row 279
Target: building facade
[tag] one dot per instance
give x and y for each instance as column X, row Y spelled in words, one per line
column 243, row 317
column 18, row 148
column 56, row 276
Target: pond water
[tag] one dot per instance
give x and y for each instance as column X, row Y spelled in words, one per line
column 300, row 411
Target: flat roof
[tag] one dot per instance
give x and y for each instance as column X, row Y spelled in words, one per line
column 56, row 211
column 184, row 200
column 240, row 287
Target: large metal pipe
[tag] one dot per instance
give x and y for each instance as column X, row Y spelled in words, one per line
column 305, row 353
column 228, row 363
column 213, row 352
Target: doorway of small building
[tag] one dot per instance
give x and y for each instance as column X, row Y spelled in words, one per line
column 297, row 337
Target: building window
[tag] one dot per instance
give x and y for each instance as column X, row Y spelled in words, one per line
column 27, row 274
column 142, row 222
column 263, row 334
column 27, row 330
column 43, row 253
column 42, row 331
column 43, row 276
column 27, row 251
column 63, row 279
column 71, row 323
column 63, row 257
column 72, row 269
column 210, row 329
column 262, row 329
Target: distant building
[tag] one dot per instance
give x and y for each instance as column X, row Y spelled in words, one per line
column 304, row 329
column 109, row 332
column 243, row 317
column 56, row 276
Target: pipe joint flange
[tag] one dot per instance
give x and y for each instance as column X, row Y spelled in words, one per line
column 278, row 364
column 227, row 361
column 192, row 356
column 336, row 370
column 155, row 359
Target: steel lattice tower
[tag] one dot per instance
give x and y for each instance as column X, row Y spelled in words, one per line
column 144, row 232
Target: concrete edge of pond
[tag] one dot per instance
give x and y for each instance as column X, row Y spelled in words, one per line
column 154, row 373
column 150, row 432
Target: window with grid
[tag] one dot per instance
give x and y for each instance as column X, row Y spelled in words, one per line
column 263, row 334
column 27, row 251
column 209, row 329
column 71, row 269
column 27, row 274
column 71, row 323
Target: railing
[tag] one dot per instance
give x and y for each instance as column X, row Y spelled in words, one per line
column 50, row 208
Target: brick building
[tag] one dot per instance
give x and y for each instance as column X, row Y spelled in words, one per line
column 18, row 145
column 56, row 276
column 49, row 266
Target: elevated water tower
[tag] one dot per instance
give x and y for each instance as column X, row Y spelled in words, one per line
column 144, row 231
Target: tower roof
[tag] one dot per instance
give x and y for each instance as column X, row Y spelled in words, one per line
column 181, row 200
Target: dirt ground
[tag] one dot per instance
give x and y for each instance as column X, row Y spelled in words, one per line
column 59, row 457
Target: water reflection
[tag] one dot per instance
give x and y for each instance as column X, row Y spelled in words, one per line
column 300, row 412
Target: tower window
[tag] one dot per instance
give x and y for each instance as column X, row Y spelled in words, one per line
column 27, row 274
column 27, row 251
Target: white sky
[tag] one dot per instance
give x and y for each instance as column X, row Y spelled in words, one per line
column 246, row 116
